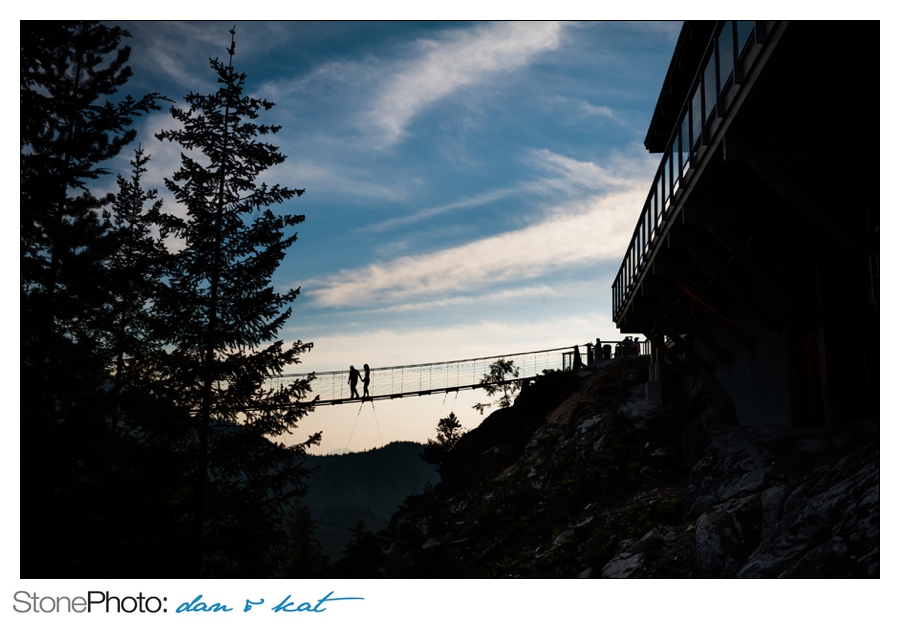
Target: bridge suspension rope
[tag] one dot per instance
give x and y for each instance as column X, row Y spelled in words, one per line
column 331, row 387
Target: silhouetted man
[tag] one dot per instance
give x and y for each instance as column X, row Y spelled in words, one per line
column 354, row 378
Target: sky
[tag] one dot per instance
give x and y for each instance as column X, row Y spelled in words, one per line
column 470, row 186
column 500, row 166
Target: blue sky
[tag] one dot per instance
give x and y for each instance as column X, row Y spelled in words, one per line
column 470, row 187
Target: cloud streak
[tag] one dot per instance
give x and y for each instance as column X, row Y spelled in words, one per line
column 498, row 296
column 576, row 236
column 479, row 200
column 333, row 178
column 567, row 177
column 591, row 110
column 418, row 75
column 181, row 50
column 576, row 178
column 464, row 58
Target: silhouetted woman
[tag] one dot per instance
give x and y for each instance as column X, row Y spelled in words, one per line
column 366, row 379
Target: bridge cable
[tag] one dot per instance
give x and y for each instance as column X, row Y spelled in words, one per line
column 441, row 411
column 393, row 476
column 346, row 452
column 377, row 427
column 353, row 429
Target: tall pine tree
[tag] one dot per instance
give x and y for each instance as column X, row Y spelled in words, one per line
column 225, row 317
column 134, row 340
column 72, row 122
column 70, row 126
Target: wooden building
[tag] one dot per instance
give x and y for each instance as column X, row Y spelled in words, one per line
column 756, row 254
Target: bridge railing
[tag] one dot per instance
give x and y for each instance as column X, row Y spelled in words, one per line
column 445, row 376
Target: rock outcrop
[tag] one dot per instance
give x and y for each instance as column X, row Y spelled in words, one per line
column 582, row 478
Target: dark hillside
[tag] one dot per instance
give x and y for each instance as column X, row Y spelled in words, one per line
column 502, row 436
column 366, row 486
column 583, row 478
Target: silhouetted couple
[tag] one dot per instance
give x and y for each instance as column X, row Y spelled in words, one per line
column 628, row 347
column 354, row 379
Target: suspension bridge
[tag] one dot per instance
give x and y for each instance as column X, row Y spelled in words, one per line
column 332, row 387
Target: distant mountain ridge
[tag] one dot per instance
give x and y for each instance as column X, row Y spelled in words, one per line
column 367, row 486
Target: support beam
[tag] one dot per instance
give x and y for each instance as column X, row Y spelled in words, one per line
column 735, row 289
column 760, row 269
column 739, row 336
column 768, row 147
column 659, row 293
column 693, row 328
column 682, row 272
column 716, row 202
column 815, row 211
column 685, row 346
column 660, row 344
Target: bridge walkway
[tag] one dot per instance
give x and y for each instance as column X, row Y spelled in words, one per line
column 332, row 388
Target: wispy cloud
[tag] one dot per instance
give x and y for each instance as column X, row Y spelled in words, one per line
column 598, row 111
column 577, row 235
column 586, row 108
column 542, row 290
column 459, row 59
column 565, row 178
column 574, row 177
column 568, row 174
column 181, row 50
column 327, row 177
column 479, row 200
column 334, row 72
column 416, row 76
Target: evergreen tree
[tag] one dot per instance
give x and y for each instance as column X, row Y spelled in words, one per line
column 70, row 126
column 71, row 123
column 496, row 381
column 225, row 316
column 305, row 558
column 449, row 431
column 136, row 267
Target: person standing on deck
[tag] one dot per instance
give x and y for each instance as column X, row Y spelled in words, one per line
column 576, row 359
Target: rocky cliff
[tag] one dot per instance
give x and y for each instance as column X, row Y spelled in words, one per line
column 583, row 478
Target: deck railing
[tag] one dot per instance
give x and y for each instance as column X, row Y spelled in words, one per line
column 719, row 70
